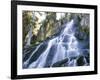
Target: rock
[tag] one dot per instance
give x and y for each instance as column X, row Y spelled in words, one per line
column 80, row 35
column 85, row 20
column 80, row 61
column 60, row 63
column 37, row 53
column 85, row 52
column 27, row 53
column 88, row 60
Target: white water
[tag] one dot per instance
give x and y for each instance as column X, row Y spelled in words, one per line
column 28, row 37
column 27, row 61
column 61, row 52
column 41, row 60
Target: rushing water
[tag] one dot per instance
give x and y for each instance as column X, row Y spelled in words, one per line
column 64, row 46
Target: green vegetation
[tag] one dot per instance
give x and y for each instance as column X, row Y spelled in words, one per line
column 46, row 24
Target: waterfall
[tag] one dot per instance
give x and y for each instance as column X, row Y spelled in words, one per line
column 28, row 37
column 62, row 46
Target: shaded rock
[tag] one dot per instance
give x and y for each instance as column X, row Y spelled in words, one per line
column 60, row 63
column 27, row 53
column 80, row 61
column 80, row 35
column 36, row 55
column 88, row 60
column 85, row 52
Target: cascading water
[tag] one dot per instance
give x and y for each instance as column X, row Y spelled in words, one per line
column 28, row 37
column 62, row 46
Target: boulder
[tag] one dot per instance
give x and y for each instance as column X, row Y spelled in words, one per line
column 60, row 63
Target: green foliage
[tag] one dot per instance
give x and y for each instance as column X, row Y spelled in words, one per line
column 50, row 25
column 27, row 21
column 85, row 29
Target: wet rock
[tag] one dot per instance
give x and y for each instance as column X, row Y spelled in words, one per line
column 80, row 61
column 85, row 52
column 88, row 60
column 35, row 56
column 80, row 35
column 27, row 53
column 60, row 63
column 72, row 62
column 86, row 55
